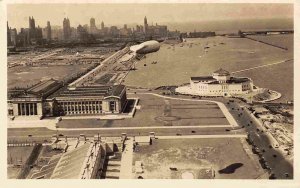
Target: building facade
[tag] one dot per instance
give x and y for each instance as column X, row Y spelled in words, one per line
column 90, row 100
column 221, row 83
column 32, row 101
column 66, row 29
column 51, row 98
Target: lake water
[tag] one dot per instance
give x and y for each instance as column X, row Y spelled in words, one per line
column 176, row 64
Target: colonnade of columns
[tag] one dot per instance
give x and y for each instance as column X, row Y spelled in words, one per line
column 27, row 109
column 81, row 107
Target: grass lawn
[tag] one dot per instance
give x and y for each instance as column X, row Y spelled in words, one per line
column 156, row 111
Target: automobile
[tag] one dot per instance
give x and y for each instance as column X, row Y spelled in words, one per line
column 58, row 118
column 193, row 131
column 227, row 130
column 178, row 134
column 60, row 134
column 272, row 176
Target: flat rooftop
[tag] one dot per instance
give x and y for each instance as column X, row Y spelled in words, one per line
column 95, row 91
column 211, row 80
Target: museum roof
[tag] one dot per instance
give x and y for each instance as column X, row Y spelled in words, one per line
column 221, row 72
column 204, row 78
column 233, row 80
column 40, row 90
column 91, row 91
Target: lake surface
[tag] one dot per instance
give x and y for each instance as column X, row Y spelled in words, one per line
column 176, row 64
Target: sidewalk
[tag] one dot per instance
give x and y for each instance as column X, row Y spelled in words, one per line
column 27, row 123
column 126, row 161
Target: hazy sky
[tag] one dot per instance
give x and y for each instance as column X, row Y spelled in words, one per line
column 117, row 14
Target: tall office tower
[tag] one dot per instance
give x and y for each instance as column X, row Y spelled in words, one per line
column 32, row 33
column 48, row 31
column 66, row 29
column 102, row 25
column 8, row 36
column 93, row 28
column 145, row 25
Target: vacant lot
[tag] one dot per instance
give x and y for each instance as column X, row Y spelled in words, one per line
column 156, row 111
column 194, row 154
column 16, row 156
column 26, row 76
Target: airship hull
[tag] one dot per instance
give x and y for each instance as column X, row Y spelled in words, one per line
column 146, row 47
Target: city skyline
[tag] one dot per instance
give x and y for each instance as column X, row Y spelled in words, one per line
column 156, row 13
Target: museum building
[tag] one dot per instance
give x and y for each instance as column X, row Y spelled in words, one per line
column 51, row 98
column 220, row 83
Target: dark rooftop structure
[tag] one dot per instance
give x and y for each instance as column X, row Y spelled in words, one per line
column 91, row 91
column 221, row 72
column 200, row 78
column 40, row 90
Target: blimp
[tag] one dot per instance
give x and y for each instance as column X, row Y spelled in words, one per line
column 146, row 47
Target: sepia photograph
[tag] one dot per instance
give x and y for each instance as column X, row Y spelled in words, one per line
column 150, row 90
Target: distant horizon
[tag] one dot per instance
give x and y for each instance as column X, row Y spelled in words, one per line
column 133, row 14
column 288, row 24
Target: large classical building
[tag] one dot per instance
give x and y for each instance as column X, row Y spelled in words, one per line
column 51, row 98
column 220, row 83
column 90, row 100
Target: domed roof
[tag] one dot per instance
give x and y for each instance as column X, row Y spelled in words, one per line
column 221, row 72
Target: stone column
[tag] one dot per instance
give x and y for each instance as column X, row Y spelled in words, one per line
column 34, row 109
column 25, row 105
column 100, row 107
column 21, row 110
column 29, row 108
column 67, row 104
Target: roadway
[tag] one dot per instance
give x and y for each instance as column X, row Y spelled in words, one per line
column 279, row 165
column 275, row 159
column 40, row 134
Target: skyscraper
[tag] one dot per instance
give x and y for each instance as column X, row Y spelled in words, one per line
column 31, row 23
column 31, row 29
column 145, row 25
column 66, row 29
column 8, row 36
column 48, row 31
column 102, row 25
column 93, row 28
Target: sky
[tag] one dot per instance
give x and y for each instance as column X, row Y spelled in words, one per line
column 119, row 14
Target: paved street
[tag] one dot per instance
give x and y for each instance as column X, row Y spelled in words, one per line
column 279, row 166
